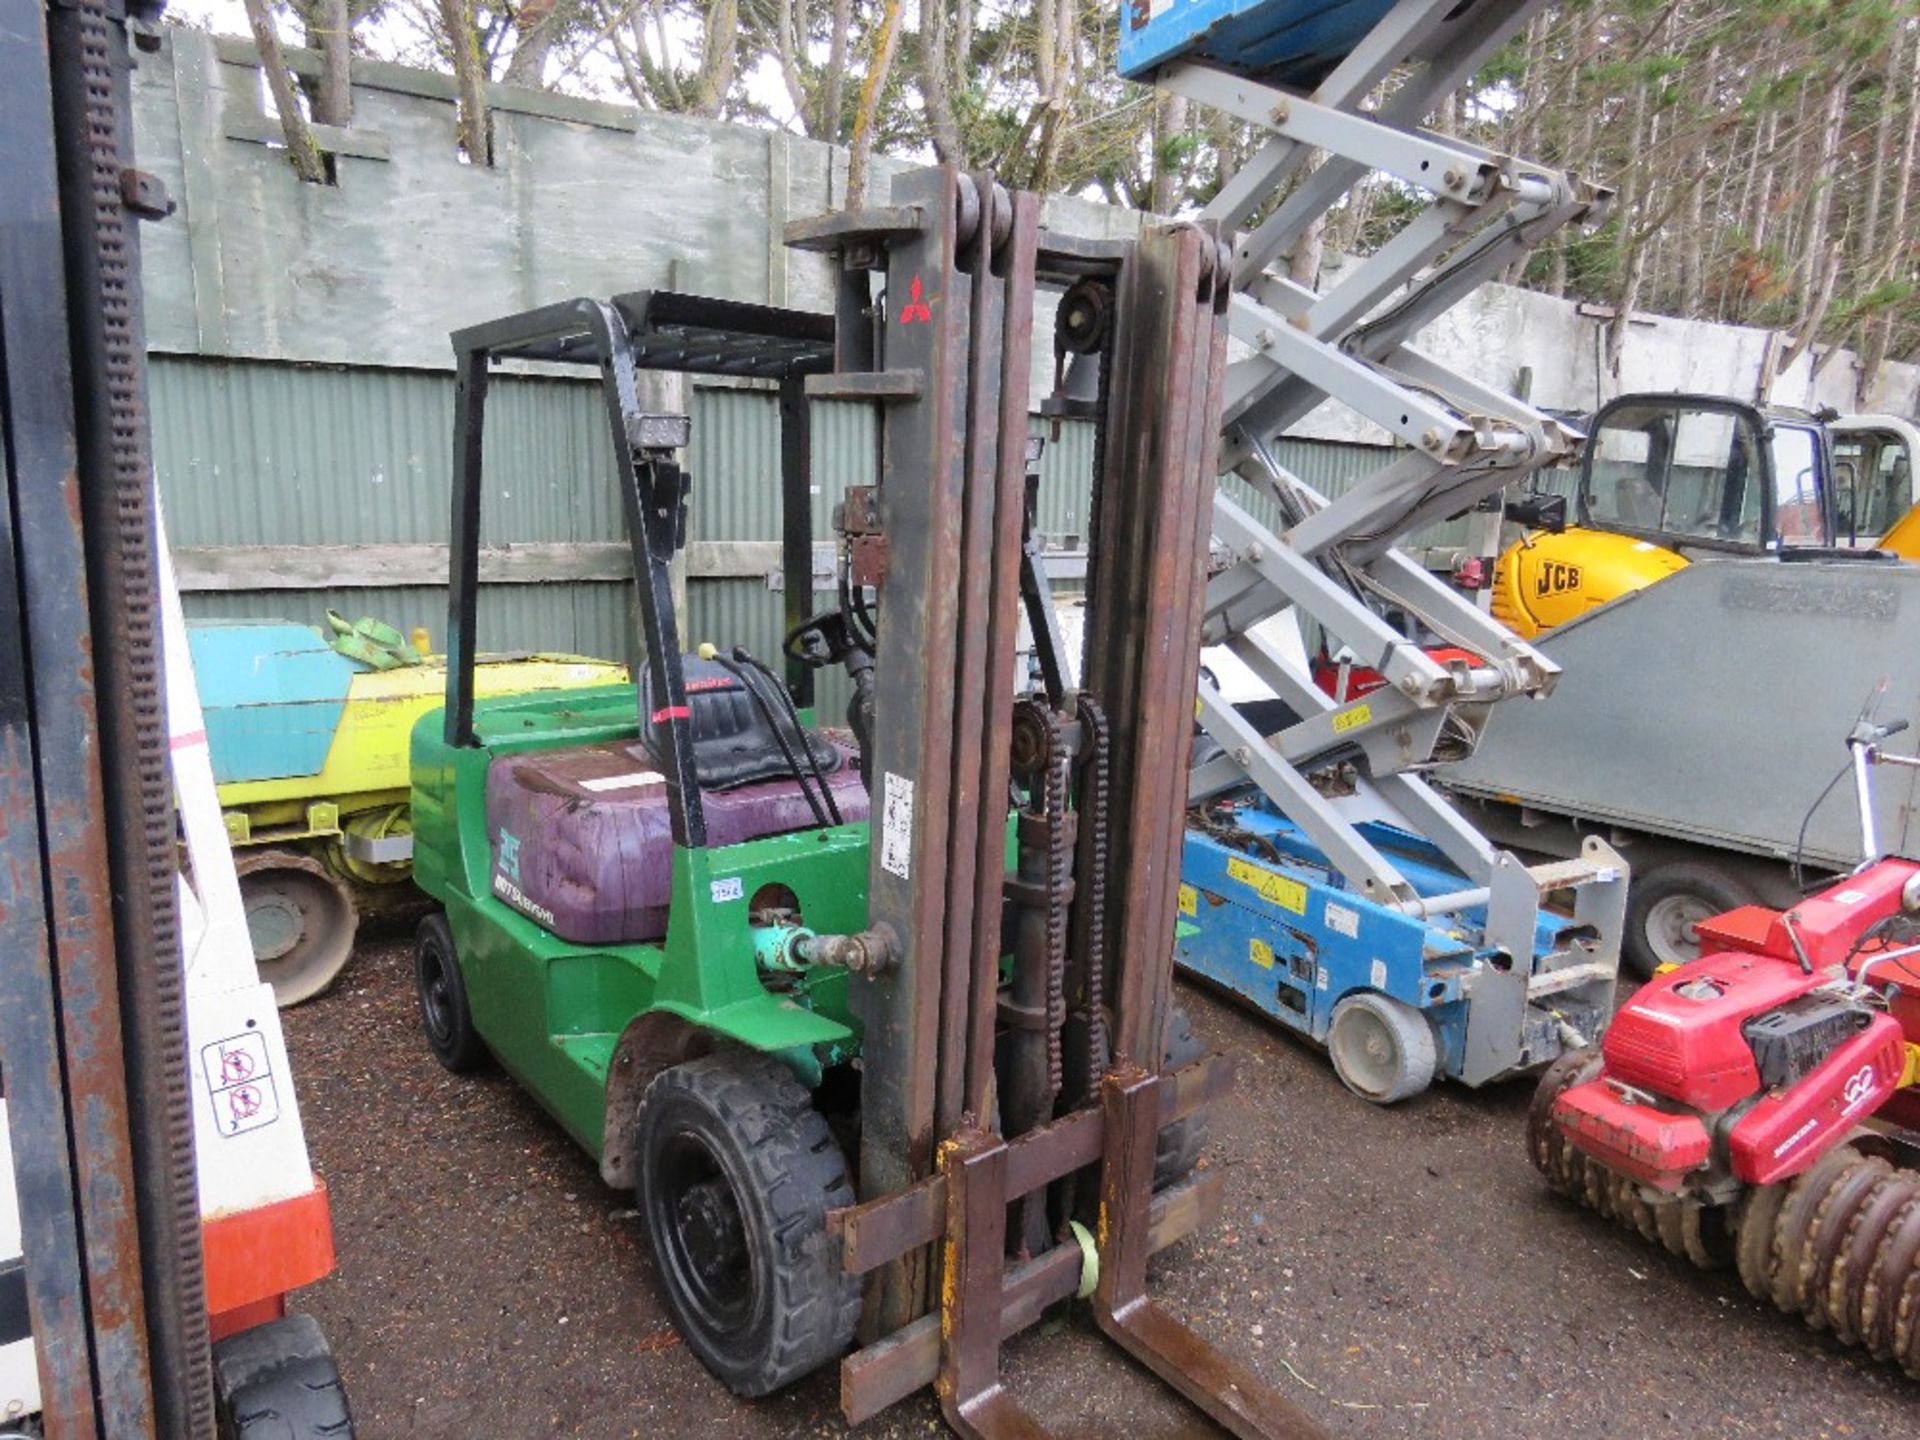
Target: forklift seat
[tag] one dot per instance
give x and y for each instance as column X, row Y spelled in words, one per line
column 734, row 743
column 582, row 838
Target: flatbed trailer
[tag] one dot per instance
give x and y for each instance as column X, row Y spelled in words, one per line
column 1698, row 728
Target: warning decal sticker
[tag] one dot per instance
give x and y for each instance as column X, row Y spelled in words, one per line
column 241, row 1081
column 1274, row 889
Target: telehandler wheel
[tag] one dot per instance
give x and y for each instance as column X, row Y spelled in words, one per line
column 737, row 1174
column 1183, row 1142
column 1382, row 1050
column 300, row 920
column 278, row 1381
column 442, row 991
column 1666, row 902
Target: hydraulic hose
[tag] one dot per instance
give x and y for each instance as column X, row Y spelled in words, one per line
column 746, row 657
column 766, row 712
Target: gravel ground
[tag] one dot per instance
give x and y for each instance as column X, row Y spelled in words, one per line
column 1395, row 1271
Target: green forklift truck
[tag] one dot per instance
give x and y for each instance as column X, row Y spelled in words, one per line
column 898, row 1079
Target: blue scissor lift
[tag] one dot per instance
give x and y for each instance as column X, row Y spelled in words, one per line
column 1324, row 880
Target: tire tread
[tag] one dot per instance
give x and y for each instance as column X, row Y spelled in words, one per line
column 796, row 1165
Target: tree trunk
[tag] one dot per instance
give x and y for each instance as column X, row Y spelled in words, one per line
column 1169, row 120
column 469, row 79
column 886, row 41
column 790, row 45
column 1883, row 140
column 1820, row 180
column 833, row 100
column 1894, row 241
column 1303, row 261
column 1817, row 305
column 330, row 31
column 934, row 90
column 1056, row 22
column 717, row 53
column 302, row 152
column 536, row 25
column 1634, row 263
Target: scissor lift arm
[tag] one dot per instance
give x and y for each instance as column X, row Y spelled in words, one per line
column 1335, row 561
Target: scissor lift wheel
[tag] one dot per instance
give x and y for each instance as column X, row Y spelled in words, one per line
column 1382, row 1050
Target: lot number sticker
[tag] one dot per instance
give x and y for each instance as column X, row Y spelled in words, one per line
column 896, row 826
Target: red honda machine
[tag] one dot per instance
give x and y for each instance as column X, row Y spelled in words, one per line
column 1759, row 1106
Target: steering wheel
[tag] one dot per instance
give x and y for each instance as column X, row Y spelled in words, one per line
column 820, row 640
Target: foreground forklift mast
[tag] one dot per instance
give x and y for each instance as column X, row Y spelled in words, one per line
column 91, row 991
column 160, row 1202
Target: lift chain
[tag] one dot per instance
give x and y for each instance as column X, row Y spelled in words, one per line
column 1095, row 757
column 1043, row 761
column 1059, row 765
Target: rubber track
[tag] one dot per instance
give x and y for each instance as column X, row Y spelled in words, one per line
column 1838, row 1246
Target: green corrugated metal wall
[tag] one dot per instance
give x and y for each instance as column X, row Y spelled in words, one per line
column 251, row 453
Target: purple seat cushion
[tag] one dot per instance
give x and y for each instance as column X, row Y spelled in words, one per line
column 583, row 844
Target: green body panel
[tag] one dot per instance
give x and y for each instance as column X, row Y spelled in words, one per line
column 553, row 1011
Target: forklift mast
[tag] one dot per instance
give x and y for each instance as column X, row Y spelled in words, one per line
column 981, row 1100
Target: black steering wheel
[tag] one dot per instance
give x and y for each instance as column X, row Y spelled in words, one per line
column 820, row 640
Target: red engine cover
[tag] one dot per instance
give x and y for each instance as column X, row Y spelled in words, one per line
column 1829, row 923
column 1789, row 1129
column 1656, row 1146
column 1680, row 1037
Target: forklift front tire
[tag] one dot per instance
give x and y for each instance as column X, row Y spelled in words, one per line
column 1382, row 1050
column 444, row 1013
column 737, row 1173
column 278, row 1381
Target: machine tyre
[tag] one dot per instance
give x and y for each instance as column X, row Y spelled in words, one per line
column 278, row 1381
column 737, row 1174
column 1382, row 1050
column 301, row 921
column 445, row 1017
column 1183, row 1142
column 1665, row 902
column 1564, row 1167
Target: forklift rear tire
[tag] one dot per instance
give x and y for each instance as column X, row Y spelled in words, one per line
column 278, row 1381
column 1382, row 1050
column 1183, row 1142
column 1665, row 902
column 444, row 1013
column 737, row 1174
